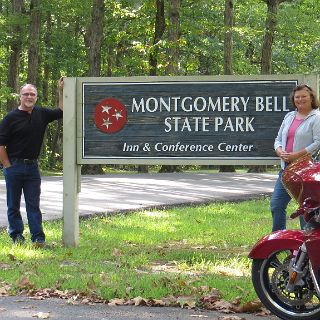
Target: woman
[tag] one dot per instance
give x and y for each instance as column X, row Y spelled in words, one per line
column 298, row 135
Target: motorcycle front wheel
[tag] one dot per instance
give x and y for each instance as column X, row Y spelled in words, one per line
column 270, row 278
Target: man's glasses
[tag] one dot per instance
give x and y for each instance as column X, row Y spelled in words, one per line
column 31, row 94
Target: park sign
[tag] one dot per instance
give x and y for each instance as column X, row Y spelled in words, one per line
column 169, row 120
column 181, row 120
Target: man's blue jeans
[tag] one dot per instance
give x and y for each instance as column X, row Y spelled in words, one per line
column 279, row 203
column 24, row 177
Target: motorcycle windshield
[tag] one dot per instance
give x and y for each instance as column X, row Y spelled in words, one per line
column 302, row 179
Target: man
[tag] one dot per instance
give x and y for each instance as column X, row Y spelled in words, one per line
column 21, row 135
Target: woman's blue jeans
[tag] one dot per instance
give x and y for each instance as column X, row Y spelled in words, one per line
column 279, row 203
column 24, row 177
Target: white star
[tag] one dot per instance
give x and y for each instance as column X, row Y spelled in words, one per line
column 117, row 114
column 106, row 122
column 106, row 109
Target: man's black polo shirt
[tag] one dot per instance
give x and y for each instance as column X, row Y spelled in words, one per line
column 22, row 132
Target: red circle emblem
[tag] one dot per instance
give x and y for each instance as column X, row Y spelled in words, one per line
column 110, row 115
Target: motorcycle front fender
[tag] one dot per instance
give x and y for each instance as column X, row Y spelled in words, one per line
column 275, row 241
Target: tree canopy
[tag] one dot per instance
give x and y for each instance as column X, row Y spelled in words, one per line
column 43, row 40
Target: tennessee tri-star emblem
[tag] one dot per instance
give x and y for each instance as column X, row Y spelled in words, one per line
column 110, row 115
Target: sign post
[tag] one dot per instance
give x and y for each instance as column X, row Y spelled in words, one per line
column 71, row 169
column 205, row 120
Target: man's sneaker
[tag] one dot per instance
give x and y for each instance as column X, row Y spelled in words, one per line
column 19, row 239
column 39, row 244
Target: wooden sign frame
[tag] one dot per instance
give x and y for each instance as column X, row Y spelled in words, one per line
column 210, row 124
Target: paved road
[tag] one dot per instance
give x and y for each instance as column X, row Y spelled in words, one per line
column 23, row 308
column 119, row 192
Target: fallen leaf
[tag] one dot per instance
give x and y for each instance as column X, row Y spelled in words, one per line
column 188, row 302
column 85, row 301
column 4, row 291
column 236, row 301
column 25, row 283
column 5, row 266
column 223, row 306
column 139, row 301
column 231, row 318
column 117, row 302
column 263, row 312
column 116, row 252
column 204, row 288
column 38, row 298
column 73, row 302
column 156, row 303
column 251, row 306
column 170, row 301
column 211, row 298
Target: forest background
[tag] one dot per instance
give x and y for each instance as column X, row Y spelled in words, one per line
column 42, row 40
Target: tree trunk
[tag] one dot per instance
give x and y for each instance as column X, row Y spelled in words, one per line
column 110, row 61
column 228, row 56
column 173, row 37
column 34, row 40
column 159, row 28
column 271, row 24
column 173, row 56
column 266, row 54
column 46, row 66
column 54, row 144
column 15, row 53
column 228, row 37
column 158, row 33
column 93, row 39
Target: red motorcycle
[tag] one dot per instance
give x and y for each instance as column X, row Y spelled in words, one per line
column 286, row 263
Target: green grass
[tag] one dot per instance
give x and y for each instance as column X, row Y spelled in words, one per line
column 153, row 254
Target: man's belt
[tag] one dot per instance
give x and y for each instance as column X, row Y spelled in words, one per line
column 24, row 161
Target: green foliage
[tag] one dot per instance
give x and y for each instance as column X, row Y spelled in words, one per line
column 129, row 31
column 298, row 39
column 128, row 37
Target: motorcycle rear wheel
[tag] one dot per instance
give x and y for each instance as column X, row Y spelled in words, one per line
column 269, row 278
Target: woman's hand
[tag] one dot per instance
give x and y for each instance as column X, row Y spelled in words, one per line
column 292, row 156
